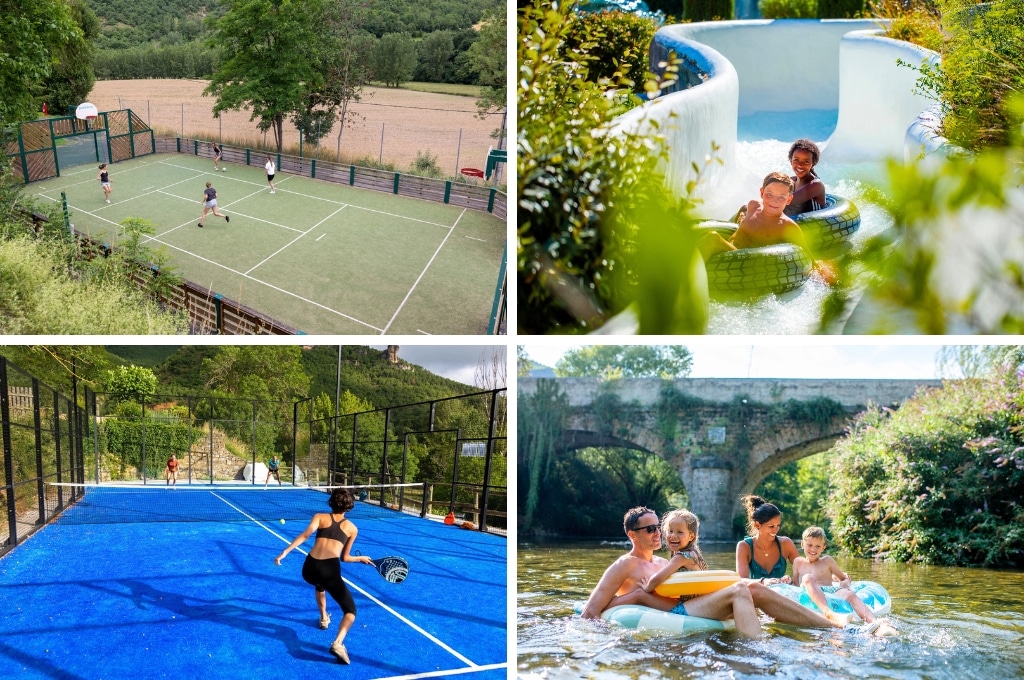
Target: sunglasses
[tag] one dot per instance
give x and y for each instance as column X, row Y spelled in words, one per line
column 650, row 528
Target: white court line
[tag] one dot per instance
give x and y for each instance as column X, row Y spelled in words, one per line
column 477, row 239
column 422, row 332
column 295, row 239
column 440, row 674
column 235, row 213
column 319, row 198
column 319, row 237
column 269, row 285
column 422, row 273
column 412, row 625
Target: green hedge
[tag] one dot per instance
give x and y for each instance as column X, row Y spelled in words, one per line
column 707, row 10
column 614, row 41
column 125, row 439
column 840, row 9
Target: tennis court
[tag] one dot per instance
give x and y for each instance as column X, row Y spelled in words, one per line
column 89, row 596
column 320, row 257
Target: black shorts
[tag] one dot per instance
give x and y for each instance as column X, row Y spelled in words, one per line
column 325, row 575
column 270, row 178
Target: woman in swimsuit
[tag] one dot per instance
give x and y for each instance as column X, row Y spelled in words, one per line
column 762, row 556
column 322, row 569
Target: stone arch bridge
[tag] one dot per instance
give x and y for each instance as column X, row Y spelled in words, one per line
column 724, row 436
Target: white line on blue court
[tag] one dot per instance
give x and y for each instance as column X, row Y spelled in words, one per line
column 269, row 285
column 295, row 239
column 418, row 278
column 412, row 625
column 441, row 674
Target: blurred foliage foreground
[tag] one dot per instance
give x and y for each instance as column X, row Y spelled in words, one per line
column 598, row 233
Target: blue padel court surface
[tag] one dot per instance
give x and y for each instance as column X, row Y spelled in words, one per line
column 202, row 600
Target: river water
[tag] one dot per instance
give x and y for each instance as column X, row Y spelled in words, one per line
column 954, row 623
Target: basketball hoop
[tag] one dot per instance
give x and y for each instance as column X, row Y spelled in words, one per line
column 86, row 111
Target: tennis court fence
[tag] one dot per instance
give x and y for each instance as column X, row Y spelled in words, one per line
column 452, row 450
column 449, row 192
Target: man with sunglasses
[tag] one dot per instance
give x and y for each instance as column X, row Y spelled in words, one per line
column 643, row 529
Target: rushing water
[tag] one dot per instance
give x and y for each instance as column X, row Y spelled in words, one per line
column 763, row 146
column 953, row 623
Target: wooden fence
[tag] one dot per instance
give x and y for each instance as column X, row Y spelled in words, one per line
column 471, row 196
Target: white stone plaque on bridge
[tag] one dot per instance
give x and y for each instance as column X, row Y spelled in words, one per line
column 716, row 435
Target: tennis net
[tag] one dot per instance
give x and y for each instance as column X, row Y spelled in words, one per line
column 131, row 503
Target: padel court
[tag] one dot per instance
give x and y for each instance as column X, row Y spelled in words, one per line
column 185, row 587
column 320, row 257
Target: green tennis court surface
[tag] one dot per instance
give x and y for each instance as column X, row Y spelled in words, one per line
column 320, row 257
column 204, row 599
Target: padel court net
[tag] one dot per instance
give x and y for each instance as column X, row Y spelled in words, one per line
column 158, row 502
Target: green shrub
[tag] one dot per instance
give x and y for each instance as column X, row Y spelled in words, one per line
column 788, row 9
column 939, row 481
column 707, row 10
column 618, row 42
column 583, row 193
column 840, row 9
column 981, row 67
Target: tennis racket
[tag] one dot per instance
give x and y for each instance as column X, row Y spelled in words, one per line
column 394, row 569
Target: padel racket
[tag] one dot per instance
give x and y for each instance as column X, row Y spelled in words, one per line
column 394, row 569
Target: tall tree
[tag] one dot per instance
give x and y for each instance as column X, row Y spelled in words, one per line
column 270, row 59
column 435, row 52
column 489, row 59
column 32, row 34
column 72, row 77
column 394, row 59
column 626, row 361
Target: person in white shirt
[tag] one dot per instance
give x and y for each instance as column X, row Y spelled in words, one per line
column 271, row 168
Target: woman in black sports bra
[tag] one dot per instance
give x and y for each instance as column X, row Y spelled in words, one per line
column 763, row 555
column 322, row 569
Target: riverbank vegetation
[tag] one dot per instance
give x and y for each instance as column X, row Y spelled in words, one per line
column 939, row 481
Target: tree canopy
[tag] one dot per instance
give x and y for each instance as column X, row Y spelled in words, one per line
column 626, row 361
column 33, row 34
column 271, row 54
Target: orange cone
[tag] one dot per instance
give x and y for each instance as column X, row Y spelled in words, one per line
column 449, row 518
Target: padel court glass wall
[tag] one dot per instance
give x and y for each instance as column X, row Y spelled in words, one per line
column 457, row 446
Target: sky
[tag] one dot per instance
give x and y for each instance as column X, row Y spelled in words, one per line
column 457, row 362
column 792, row 359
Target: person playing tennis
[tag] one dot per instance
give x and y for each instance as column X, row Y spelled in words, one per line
column 210, row 203
column 273, row 468
column 172, row 470
column 271, row 171
column 335, row 536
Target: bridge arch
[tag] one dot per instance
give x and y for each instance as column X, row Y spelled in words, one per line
column 723, row 436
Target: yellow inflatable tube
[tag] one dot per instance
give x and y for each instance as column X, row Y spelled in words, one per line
column 697, row 582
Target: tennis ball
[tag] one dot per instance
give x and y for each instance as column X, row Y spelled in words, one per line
column 282, row 521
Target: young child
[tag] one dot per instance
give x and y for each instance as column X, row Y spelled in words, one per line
column 104, row 178
column 809, row 190
column 764, row 223
column 815, row 572
column 680, row 531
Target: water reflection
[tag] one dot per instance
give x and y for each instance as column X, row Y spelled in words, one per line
column 954, row 623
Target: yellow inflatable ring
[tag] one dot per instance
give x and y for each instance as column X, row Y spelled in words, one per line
column 697, row 582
